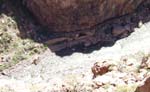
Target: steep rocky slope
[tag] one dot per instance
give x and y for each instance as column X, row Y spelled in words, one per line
column 31, row 67
column 75, row 15
column 80, row 23
column 73, row 73
column 13, row 49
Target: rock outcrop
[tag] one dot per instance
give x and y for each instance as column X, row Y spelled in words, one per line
column 73, row 15
column 100, row 68
column 145, row 87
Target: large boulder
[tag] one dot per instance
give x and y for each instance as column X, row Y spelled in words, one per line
column 145, row 87
column 73, row 15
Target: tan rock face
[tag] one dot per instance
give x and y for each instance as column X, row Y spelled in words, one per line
column 72, row 15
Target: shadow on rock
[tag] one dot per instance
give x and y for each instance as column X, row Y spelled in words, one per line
column 105, row 34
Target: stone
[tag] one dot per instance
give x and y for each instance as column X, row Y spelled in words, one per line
column 100, row 68
column 75, row 15
column 145, row 63
column 145, row 87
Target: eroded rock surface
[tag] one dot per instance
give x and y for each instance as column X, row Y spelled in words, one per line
column 145, row 87
column 73, row 15
column 73, row 73
column 100, row 68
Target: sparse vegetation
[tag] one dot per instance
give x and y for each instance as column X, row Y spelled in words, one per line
column 13, row 49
